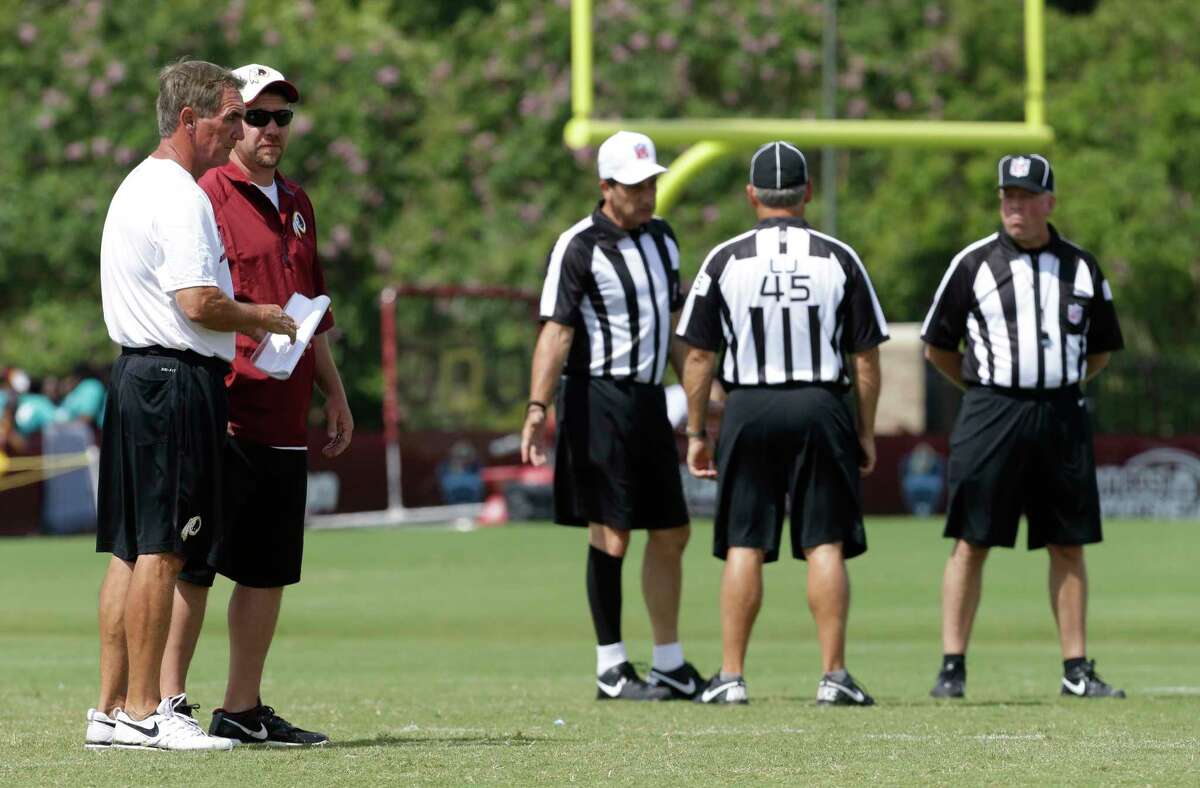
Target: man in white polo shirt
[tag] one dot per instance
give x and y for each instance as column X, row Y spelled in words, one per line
column 167, row 297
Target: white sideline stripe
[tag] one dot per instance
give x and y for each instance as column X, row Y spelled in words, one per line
column 457, row 518
column 1181, row 690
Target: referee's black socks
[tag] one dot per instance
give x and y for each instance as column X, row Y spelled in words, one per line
column 954, row 664
column 604, row 594
column 1071, row 664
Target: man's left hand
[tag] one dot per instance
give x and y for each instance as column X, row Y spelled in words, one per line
column 339, row 425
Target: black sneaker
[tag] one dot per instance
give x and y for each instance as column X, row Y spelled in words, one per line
column 719, row 690
column 261, row 725
column 685, row 682
column 842, row 693
column 950, row 683
column 1084, row 682
column 623, row 683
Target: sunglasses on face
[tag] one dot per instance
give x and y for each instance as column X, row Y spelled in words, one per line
column 261, row 117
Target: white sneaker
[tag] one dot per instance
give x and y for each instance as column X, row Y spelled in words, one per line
column 165, row 730
column 99, row 733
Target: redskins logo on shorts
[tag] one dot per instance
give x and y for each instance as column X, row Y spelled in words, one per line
column 298, row 225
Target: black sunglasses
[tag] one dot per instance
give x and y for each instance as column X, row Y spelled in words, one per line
column 261, row 117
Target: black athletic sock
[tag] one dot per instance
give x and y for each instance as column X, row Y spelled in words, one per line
column 1071, row 664
column 954, row 663
column 604, row 595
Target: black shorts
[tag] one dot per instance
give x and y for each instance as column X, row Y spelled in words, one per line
column 615, row 461
column 1013, row 452
column 161, row 454
column 780, row 442
column 261, row 542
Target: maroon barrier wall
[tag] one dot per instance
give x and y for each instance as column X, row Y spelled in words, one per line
column 1139, row 476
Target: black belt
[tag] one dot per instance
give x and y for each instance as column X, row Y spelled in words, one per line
column 189, row 356
column 1072, row 390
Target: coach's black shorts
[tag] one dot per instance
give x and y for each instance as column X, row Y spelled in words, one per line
column 616, row 462
column 1016, row 451
column 780, row 442
column 261, row 542
column 161, row 454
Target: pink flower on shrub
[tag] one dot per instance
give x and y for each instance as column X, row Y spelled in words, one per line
column 301, row 124
column 667, row 41
column 98, row 89
column 530, row 213
column 387, row 76
column 806, row 61
column 306, row 10
column 74, row 151
column 710, row 213
column 483, row 142
column 44, row 121
column 382, row 257
column 123, row 155
column 530, row 104
column 618, row 53
column 101, row 146
column 272, row 38
column 639, row 41
column 340, row 235
column 441, row 71
column 53, row 98
column 933, row 15
column 903, row 99
column 583, row 156
column 115, row 72
column 26, row 33
column 343, row 54
column 856, row 108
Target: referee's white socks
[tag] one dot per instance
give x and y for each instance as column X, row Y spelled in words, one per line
column 608, row 657
column 668, row 657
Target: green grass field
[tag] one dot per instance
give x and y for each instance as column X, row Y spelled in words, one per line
column 445, row 657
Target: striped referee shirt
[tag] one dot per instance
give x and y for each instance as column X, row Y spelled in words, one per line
column 787, row 302
column 617, row 289
column 1029, row 317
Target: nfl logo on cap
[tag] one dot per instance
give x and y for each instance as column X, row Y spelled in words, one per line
column 1018, row 167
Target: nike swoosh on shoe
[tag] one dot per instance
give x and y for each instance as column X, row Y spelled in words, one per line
column 709, row 694
column 260, row 734
column 1075, row 689
column 611, row 691
column 856, row 694
column 151, row 731
column 687, row 689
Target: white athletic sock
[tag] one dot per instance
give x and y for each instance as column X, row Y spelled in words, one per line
column 610, row 656
column 668, row 657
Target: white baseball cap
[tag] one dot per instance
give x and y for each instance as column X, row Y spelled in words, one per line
column 258, row 78
column 628, row 157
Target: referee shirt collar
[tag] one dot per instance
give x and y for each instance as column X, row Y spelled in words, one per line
column 608, row 227
column 783, row 221
column 1008, row 243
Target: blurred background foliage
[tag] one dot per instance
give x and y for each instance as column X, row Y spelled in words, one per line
column 429, row 139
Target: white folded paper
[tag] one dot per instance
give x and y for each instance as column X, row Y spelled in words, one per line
column 277, row 355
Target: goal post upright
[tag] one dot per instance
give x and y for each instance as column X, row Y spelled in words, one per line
column 713, row 139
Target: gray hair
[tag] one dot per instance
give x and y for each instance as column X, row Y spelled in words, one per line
column 191, row 83
column 781, row 198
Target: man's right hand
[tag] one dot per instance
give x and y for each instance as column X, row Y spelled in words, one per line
column 273, row 319
column 533, row 436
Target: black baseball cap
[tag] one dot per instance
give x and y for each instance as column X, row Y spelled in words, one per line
column 1030, row 172
column 778, row 165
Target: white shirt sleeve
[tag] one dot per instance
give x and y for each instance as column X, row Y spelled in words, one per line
column 191, row 246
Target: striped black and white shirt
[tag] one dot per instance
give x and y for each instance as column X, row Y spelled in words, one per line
column 787, row 302
column 1029, row 317
column 617, row 289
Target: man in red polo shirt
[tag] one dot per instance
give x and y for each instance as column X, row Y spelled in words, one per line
column 267, row 226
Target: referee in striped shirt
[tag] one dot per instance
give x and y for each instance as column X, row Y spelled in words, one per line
column 608, row 307
column 794, row 310
column 1035, row 320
